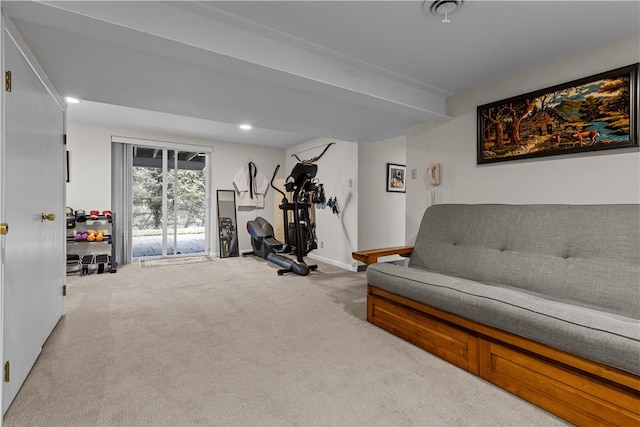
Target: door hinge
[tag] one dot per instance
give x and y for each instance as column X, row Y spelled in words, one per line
column 7, row 81
column 7, row 371
column 64, row 290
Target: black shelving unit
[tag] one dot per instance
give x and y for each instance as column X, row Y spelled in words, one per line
column 101, row 222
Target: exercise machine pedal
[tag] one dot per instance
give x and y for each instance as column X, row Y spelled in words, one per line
column 284, row 271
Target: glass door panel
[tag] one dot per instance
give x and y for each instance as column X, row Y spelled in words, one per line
column 189, row 202
column 172, row 196
column 147, row 202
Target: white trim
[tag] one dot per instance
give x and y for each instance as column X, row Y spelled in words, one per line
column 211, row 226
column 2, row 203
column 165, row 192
column 13, row 32
column 334, row 262
column 161, row 144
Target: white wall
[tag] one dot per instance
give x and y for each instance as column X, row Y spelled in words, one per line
column 382, row 214
column 591, row 178
column 90, row 170
column 338, row 171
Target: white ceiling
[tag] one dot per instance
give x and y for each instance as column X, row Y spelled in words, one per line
column 362, row 70
column 116, row 116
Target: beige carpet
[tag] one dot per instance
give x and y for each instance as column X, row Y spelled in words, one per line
column 228, row 342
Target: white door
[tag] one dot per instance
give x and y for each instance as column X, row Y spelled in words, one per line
column 33, row 250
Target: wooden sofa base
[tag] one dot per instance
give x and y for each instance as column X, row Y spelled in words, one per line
column 576, row 389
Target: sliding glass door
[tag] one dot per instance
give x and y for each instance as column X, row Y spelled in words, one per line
column 169, row 202
column 186, row 199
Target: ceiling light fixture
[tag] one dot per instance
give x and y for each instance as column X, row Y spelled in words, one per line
column 245, row 126
column 442, row 8
column 71, row 100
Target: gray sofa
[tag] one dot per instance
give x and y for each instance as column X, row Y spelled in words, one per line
column 556, row 287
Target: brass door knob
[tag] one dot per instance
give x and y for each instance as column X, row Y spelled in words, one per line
column 48, row 217
column 4, row 228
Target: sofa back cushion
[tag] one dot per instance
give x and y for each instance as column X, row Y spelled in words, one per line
column 579, row 254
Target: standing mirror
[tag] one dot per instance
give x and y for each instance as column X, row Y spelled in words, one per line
column 227, row 223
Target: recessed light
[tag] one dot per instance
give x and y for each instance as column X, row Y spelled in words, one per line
column 245, row 126
column 71, row 100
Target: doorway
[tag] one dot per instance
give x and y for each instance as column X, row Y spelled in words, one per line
column 169, row 190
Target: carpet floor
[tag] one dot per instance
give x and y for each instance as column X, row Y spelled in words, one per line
column 228, row 342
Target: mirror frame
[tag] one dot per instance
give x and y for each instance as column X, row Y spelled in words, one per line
column 221, row 238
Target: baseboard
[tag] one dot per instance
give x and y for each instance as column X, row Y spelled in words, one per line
column 333, row 262
column 320, row 258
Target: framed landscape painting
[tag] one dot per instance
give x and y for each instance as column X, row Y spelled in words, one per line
column 599, row 112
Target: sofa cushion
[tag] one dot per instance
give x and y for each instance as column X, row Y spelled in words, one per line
column 582, row 331
column 583, row 255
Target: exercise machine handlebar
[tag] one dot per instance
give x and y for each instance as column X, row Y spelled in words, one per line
column 275, row 172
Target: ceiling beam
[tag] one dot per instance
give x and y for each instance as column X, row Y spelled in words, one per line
column 198, row 32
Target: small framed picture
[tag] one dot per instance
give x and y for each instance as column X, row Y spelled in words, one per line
column 396, row 175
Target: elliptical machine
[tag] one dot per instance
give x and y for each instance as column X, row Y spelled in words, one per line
column 300, row 238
